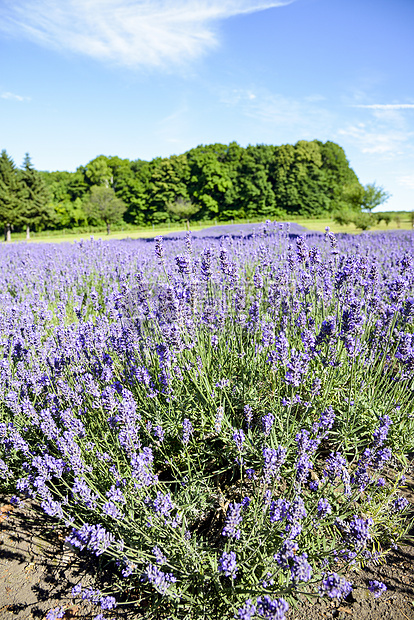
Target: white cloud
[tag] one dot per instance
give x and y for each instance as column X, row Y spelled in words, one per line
column 406, row 181
column 386, row 142
column 131, row 33
column 304, row 117
column 387, row 106
column 13, row 97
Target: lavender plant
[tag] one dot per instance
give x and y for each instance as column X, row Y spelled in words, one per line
column 226, row 426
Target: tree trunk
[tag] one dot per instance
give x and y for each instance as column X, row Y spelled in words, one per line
column 8, row 232
column 188, row 225
column 27, row 232
column 108, row 230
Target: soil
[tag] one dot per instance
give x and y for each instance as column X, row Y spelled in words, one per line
column 38, row 570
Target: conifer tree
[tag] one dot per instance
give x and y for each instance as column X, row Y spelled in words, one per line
column 10, row 194
column 35, row 209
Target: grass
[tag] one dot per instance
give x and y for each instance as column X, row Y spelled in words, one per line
column 316, row 224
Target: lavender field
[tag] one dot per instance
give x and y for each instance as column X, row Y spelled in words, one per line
column 224, row 422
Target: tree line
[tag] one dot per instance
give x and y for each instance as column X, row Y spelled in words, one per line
column 216, row 181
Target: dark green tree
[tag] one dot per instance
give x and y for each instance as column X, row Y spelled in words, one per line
column 255, row 191
column 36, row 210
column 10, row 194
column 211, row 179
column 168, row 181
column 104, row 206
column 130, row 182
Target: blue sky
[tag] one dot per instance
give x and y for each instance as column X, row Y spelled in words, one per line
column 147, row 78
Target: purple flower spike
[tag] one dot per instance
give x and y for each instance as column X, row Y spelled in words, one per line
column 228, row 565
column 55, row 614
column 272, row 609
column 233, row 519
column 239, row 439
column 187, row 430
column 335, row 586
column 247, row 611
column 377, row 588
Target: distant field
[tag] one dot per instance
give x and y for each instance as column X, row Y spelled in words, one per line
column 309, row 223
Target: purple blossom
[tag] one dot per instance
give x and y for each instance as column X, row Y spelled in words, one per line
column 325, row 421
column 377, row 587
column 93, row 537
column 248, row 414
column 247, row 611
column 142, row 468
column 159, row 556
column 239, row 438
column 334, row 465
column 400, row 503
column 112, row 510
column 267, row 423
column 335, row 586
column 324, row 508
column 273, row 460
column 76, row 590
column 300, row 569
column 228, row 565
column 245, row 502
column 187, row 430
column 287, row 552
column 278, row 510
column 159, row 432
column 107, row 602
column 55, row 613
column 380, row 434
column 233, row 519
column 296, row 367
column 162, row 504
column 158, row 579
column 272, row 609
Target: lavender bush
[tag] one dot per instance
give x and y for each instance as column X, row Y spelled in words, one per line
column 225, row 424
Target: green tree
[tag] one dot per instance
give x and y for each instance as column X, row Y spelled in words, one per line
column 36, row 210
column 343, row 217
column 10, row 194
column 210, row 179
column 373, row 196
column 168, row 181
column 130, row 183
column 255, row 191
column 103, row 205
column 383, row 217
column 98, row 171
column 364, row 220
column 339, row 175
column 183, row 209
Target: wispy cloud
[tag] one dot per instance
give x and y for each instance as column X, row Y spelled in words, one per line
column 13, row 97
column 406, row 181
column 303, row 116
column 387, row 106
column 377, row 141
column 132, row 33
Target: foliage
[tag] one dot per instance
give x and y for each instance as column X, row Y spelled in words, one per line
column 10, row 193
column 183, row 209
column 213, row 421
column 36, row 211
column 104, row 205
column 226, row 181
column 373, row 197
